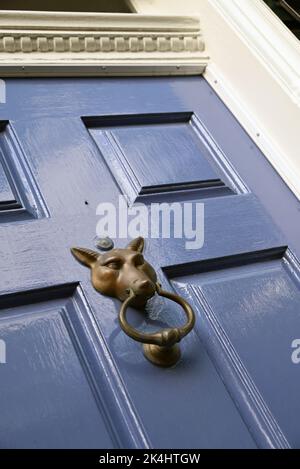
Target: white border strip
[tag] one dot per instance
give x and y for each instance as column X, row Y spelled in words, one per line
column 270, row 40
column 285, row 167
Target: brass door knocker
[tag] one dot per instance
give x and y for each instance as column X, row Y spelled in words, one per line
column 124, row 274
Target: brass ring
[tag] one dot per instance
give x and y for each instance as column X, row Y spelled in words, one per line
column 160, row 347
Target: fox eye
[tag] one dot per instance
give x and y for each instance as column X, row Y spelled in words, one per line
column 115, row 265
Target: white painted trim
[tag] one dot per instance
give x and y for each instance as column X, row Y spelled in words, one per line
column 79, row 69
column 119, row 44
column 37, row 20
column 286, row 168
column 267, row 102
column 268, row 38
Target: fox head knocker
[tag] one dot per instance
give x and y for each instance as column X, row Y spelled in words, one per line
column 115, row 272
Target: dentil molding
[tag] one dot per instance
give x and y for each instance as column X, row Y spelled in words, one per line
column 35, row 43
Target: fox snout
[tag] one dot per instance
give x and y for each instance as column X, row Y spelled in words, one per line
column 144, row 288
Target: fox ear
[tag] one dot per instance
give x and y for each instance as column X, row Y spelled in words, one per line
column 85, row 256
column 137, row 244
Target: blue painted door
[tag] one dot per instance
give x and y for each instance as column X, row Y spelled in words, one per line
column 72, row 378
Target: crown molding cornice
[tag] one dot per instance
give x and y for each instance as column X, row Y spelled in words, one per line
column 97, row 21
column 103, row 43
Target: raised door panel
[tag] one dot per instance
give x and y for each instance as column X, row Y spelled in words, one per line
column 20, row 197
column 56, row 392
column 248, row 308
column 167, row 153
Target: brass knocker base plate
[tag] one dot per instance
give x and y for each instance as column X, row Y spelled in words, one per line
column 162, row 355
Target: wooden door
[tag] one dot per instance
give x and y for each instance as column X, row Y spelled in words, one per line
column 72, row 378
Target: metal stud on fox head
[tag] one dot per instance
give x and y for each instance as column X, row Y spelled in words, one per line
column 104, row 244
column 123, row 273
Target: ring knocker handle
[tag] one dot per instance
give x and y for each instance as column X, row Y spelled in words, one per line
column 161, row 348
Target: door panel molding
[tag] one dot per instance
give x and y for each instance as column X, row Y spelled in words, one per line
column 246, row 384
column 205, row 170
column 65, row 321
column 20, row 196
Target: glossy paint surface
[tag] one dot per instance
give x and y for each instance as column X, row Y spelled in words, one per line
column 72, row 377
column 6, row 193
